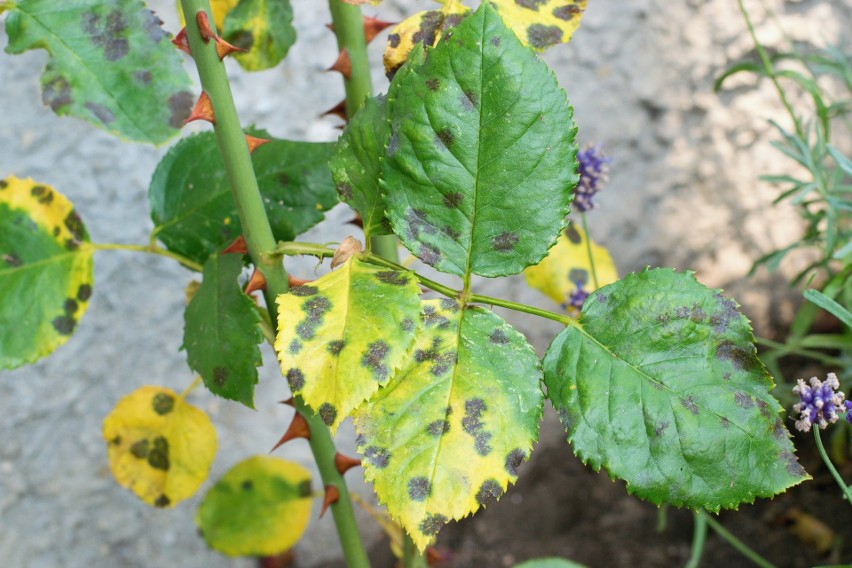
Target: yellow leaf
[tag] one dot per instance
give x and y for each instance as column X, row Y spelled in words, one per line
column 423, row 27
column 567, row 269
column 541, row 23
column 220, row 9
column 159, row 446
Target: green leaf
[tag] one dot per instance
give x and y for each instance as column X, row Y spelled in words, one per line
column 261, row 507
column 660, row 384
column 110, row 63
column 356, row 165
column 843, row 162
column 449, row 431
column 829, row 305
column 542, row 23
column 159, row 447
column 344, row 335
column 479, row 132
column 191, row 203
column 45, row 270
column 262, row 27
column 220, row 333
column 548, row 563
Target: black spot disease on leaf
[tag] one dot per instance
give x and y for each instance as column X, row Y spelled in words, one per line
column 450, row 304
column 499, row 337
column 143, row 77
column 794, row 468
column 490, row 489
column 162, row 403
column 305, row 489
column 243, row 39
column 153, row 27
column 741, row 359
column 445, row 137
column 452, row 200
column 433, row 84
column 13, row 260
column 419, row 488
column 438, row 427
column 469, row 100
column 247, row 485
column 296, row 379
column 472, row 424
column 513, row 460
column 566, row 12
column 541, row 36
column 374, row 359
column 393, row 40
column 64, row 324
column 417, row 223
column 304, row 290
column 295, row 346
column 377, row 456
column 70, row 306
column 344, row 190
column 689, row 404
column 336, row 346
column 328, row 413
column 392, row 277
column 432, row 523
column 180, row 105
column 505, row 242
column 84, row 292
column 660, row 428
column 102, row 113
column 107, row 35
column 530, row 4
column 428, row 30
column 158, row 456
column 139, row 449
column 42, row 194
column 162, row 501
column 220, row 376
column 407, row 325
column 429, row 254
column 573, row 235
column 75, row 225
column 743, row 400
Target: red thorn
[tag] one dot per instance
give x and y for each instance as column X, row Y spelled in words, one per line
column 204, row 26
column 298, row 429
column 253, row 142
column 434, row 556
column 224, row 49
column 343, row 65
column 357, row 221
column 345, row 463
column 256, row 282
column 332, row 495
column 293, row 281
column 203, row 110
column 338, row 110
column 181, row 42
column 288, row 402
column 374, row 26
column 237, row 247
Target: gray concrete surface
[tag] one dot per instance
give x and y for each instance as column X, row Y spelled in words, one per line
column 683, row 193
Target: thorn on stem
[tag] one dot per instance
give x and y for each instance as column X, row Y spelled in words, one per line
column 373, row 27
column 253, row 142
column 204, row 26
column 256, row 282
column 224, row 49
column 345, row 463
column 298, row 429
column 293, row 281
column 338, row 110
column 343, row 65
column 288, row 402
column 181, row 42
column 203, row 110
column 332, row 496
column 237, row 247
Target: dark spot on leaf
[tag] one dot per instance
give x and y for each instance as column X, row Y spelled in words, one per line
column 450, row 304
column 75, row 225
column 243, row 39
column 295, row 346
column 336, row 346
column 514, row 459
column 573, row 235
column 565, row 418
column 452, row 200
column 445, row 136
column 220, row 376
column 392, row 277
column 316, row 307
column 304, row 290
column 429, row 254
column 247, row 485
column 578, row 276
column 153, row 27
column 64, row 325
column 530, row 4
column 305, row 488
column 490, row 489
column 417, row 223
column 162, row 501
column 102, row 113
column 504, row 242
column 428, row 30
column 743, row 400
column 473, row 409
column 12, row 260
column 143, row 77
column 689, row 404
column 697, row 314
column 741, row 359
column 3, row 184
column 57, row 94
column 763, row 408
column 158, row 456
column 438, row 427
column 344, row 190
column 42, row 194
column 794, row 468
column 468, row 101
column 180, row 106
column 116, row 441
column 658, row 431
column 419, row 488
column 430, row 317
column 306, row 330
column 296, row 379
column 452, row 232
column 541, row 36
column 107, row 35
column 567, row 12
column 162, row 403
column 778, row 430
column 393, row 40
column 407, row 325
column 725, row 422
column 377, row 456
column 480, row 443
column 374, row 359
column 499, row 337
column 283, row 180
column 495, row 41
column 139, row 449
column 433, row 84
column 70, row 307
column 328, row 413
column 431, row 524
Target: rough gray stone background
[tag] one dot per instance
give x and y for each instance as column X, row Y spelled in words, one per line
column 683, row 193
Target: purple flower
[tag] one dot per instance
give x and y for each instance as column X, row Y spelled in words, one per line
column 848, row 404
column 820, row 402
column 593, row 167
column 574, row 300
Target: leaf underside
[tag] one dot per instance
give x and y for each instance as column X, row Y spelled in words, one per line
column 45, row 270
column 662, row 387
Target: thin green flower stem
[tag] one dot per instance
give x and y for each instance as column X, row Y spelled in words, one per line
column 792, row 349
column 699, row 536
column 770, row 71
column 589, row 250
column 735, row 542
column 191, row 264
column 258, row 235
column 834, row 473
column 411, row 556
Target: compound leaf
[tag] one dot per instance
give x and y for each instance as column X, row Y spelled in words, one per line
column 542, row 23
column 260, row 507
column 344, row 335
column 191, row 203
column 45, row 270
column 110, row 63
column 220, row 333
column 567, row 269
column 479, row 131
column 660, row 384
column 449, row 431
column 159, row 446
column 262, row 27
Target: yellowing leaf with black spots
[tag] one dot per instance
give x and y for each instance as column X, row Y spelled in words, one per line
column 565, row 275
column 219, row 8
column 262, row 27
column 45, row 270
column 159, row 446
column 449, row 431
column 423, row 27
column 260, row 507
column 541, row 23
column 344, row 335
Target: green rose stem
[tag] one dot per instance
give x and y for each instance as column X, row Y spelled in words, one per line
column 699, row 536
column 258, row 236
column 735, row 542
column 830, row 466
column 589, row 250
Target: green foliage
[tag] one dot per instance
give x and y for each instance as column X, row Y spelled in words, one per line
column 469, row 151
column 191, row 203
column 262, row 27
column 449, row 431
column 548, row 563
column 221, row 335
column 661, row 385
column 110, row 63
column 45, row 270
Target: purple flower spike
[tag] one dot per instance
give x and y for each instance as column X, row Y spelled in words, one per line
column 574, row 301
column 820, row 403
column 593, row 167
column 848, row 404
